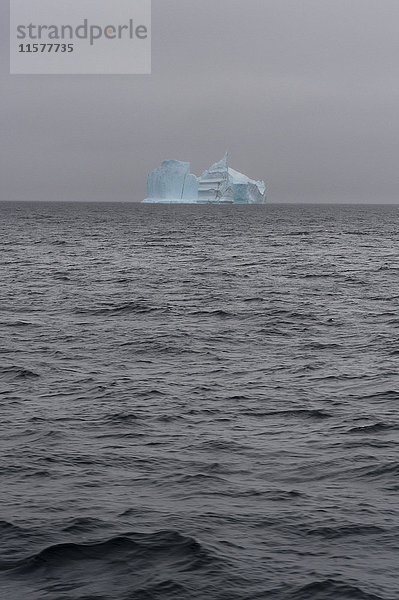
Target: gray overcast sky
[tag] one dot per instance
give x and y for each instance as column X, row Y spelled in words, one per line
column 303, row 93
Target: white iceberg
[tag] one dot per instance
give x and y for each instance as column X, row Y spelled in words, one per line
column 247, row 191
column 173, row 183
column 214, row 184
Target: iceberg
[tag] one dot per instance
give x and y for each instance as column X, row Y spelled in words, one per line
column 173, row 183
column 214, row 184
column 247, row 191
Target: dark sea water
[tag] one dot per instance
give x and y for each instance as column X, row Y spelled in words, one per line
column 199, row 402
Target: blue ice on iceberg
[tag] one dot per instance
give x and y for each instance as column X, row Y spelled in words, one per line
column 172, row 183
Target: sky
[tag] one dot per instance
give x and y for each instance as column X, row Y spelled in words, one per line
column 302, row 93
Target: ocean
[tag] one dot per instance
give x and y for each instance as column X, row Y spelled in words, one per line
column 199, row 402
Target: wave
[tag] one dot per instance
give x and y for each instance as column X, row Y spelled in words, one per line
column 84, row 525
column 391, row 469
column 8, row 528
column 323, row 346
column 19, row 323
column 360, row 442
column 385, row 395
column 373, row 428
column 15, row 372
column 125, row 308
column 295, row 233
column 222, row 445
column 216, row 313
column 199, row 478
column 270, row 495
column 151, row 549
column 330, row 589
column 305, row 413
column 117, row 418
column 358, row 530
column 160, row 591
